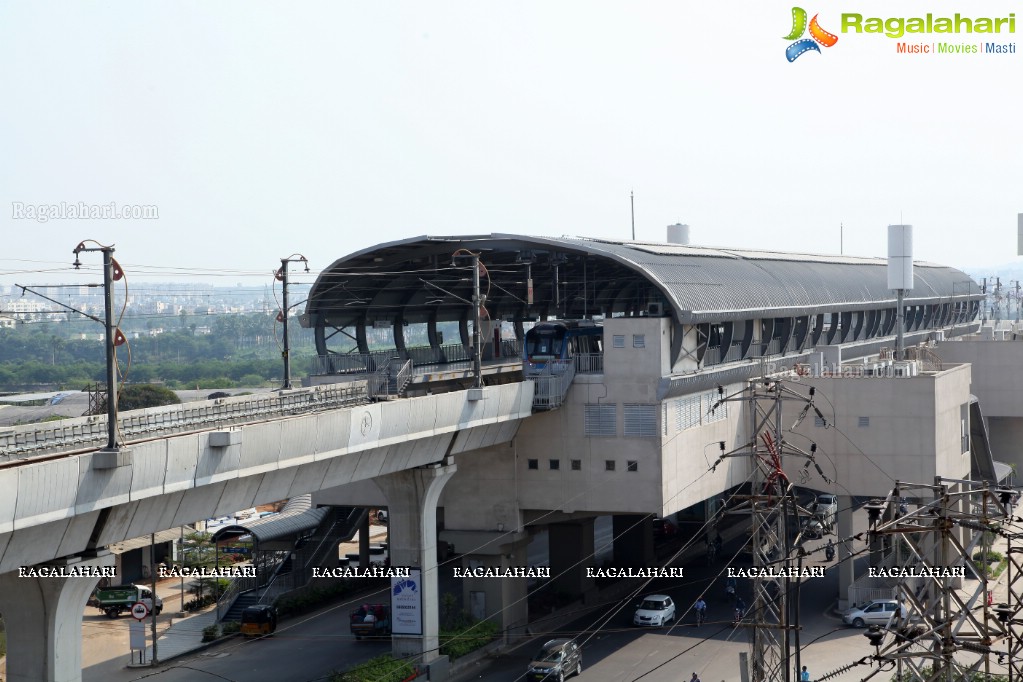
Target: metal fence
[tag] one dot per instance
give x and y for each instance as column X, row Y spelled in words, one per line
column 368, row 363
column 21, row 441
column 551, row 387
column 589, row 363
column 390, row 380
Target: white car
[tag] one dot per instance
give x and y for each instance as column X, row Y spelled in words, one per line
column 655, row 610
column 826, row 507
column 878, row 612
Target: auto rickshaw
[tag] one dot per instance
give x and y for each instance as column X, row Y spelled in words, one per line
column 370, row 620
column 259, row 620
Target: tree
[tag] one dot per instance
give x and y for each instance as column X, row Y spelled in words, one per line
column 137, row 396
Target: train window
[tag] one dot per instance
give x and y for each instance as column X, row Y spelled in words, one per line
column 533, row 463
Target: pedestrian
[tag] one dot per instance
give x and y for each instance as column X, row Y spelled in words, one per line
column 740, row 609
column 805, row 675
column 694, row 678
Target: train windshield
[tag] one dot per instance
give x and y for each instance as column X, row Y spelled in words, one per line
column 545, row 344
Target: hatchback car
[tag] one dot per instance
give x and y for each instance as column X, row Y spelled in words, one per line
column 655, row 610
column 877, row 612
column 556, row 660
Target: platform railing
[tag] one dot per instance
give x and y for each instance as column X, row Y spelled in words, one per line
column 589, row 363
column 23, row 441
column 551, row 386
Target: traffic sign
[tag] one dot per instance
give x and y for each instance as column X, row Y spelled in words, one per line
column 139, row 610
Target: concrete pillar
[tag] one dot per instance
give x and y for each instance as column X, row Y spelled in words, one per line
column 412, row 541
column 846, row 574
column 571, row 552
column 364, row 542
column 634, row 540
column 503, row 600
column 43, row 617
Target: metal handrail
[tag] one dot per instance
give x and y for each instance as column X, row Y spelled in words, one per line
column 589, row 363
column 551, row 386
column 391, row 379
column 368, row 363
column 19, row 441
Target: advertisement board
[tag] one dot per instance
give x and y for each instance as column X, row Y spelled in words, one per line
column 407, row 604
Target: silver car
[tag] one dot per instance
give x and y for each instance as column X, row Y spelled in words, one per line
column 878, row 612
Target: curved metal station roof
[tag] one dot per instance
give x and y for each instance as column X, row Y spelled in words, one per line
column 298, row 516
column 414, row 280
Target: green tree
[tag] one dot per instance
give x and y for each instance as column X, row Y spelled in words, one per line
column 137, row 396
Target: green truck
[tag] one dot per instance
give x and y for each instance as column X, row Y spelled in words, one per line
column 120, row 598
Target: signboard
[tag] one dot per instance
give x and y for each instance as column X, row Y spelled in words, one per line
column 407, row 603
column 137, row 634
column 139, row 610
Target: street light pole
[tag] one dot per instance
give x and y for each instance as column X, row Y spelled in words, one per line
column 282, row 276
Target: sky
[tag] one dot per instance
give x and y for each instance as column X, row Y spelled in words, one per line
column 259, row 130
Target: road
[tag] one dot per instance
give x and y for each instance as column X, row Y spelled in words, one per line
column 309, row 648
column 618, row 652
column 305, row 649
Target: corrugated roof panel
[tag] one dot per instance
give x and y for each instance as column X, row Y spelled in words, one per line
column 701, row 283
column 298, row 516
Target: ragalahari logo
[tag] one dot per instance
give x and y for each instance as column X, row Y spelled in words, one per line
column 817, row 35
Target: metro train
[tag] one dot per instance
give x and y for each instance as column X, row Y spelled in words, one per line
column 550, row 346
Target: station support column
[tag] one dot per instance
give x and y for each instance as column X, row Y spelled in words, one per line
column 412, row 541
column 364, row 542
column 503, row 600
column 43, row 618
column 571, row 552
column 633, row 540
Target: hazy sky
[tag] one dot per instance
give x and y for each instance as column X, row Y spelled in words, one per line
column 259, row 130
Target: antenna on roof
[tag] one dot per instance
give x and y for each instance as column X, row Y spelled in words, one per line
column 632, row 208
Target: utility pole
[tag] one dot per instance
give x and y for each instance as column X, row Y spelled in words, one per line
column 477, row 333
column 112, row 337
column 773, row 618
column 632, row 209
column 152, row 587
column 1008, row 612
column 936, row 620
column 282, row 276
column 477, row 303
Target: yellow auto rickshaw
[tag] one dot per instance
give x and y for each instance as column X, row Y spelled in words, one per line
column 259, row 620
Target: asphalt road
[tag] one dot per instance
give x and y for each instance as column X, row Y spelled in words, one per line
column 311, row 647
column 302, row 650
column 615, row 651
